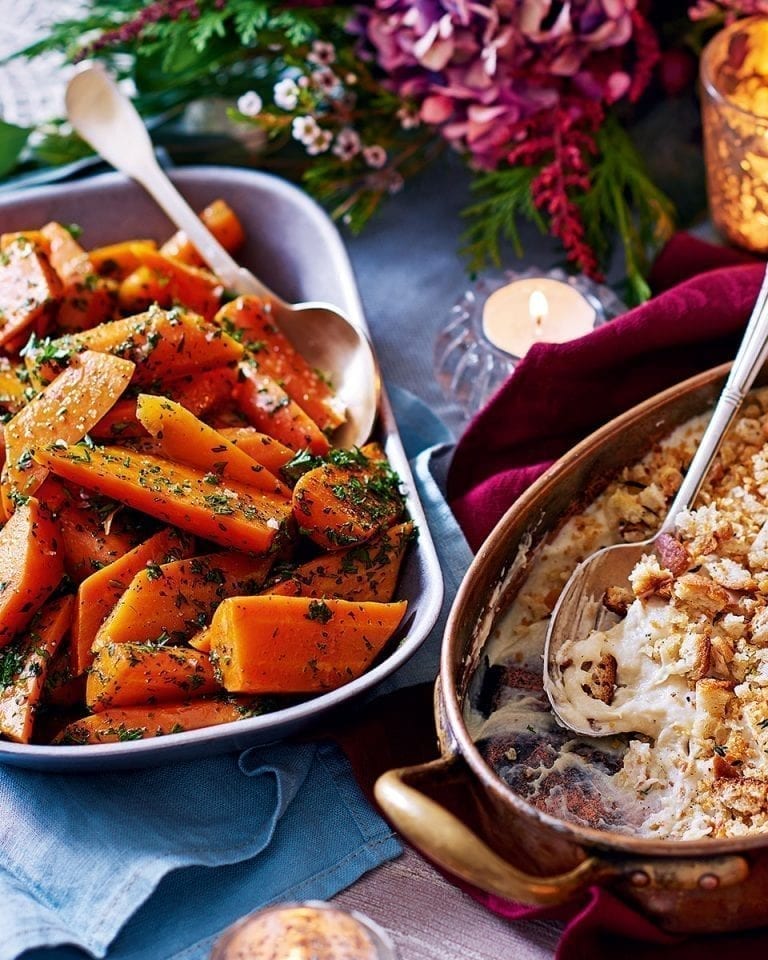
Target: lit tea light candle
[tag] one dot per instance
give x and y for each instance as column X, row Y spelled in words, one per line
column 535, row 310
column 734, row 104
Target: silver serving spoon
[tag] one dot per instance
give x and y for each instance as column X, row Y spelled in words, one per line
column 579, row 609
column 107, row 120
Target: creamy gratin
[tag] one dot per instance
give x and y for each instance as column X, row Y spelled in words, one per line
column 681, row 677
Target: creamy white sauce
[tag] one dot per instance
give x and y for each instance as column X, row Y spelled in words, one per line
column 655, row 776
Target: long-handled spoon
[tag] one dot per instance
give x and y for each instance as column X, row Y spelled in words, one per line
column 108, row 121
column 579, row 610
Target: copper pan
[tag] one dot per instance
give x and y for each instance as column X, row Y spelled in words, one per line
column 462, row 816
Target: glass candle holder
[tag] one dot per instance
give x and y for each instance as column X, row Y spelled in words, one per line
column 499, row 318
column 734, row 105
column 312, row 930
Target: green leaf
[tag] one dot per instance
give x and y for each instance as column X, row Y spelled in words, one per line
column 624, row 201
column 505, row 198
column 13, row 139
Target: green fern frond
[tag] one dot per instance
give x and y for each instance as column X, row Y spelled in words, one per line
column 505, row 200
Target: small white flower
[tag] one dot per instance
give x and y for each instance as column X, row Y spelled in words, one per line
column 320, row 143
column 325, row 80
column 347, row 144
column 286, row 94
column 375, row 156
column 350, row 79
column 409, row 118
column 396, row 183
column 250, row 104
column 322, row 53
column 304, row 129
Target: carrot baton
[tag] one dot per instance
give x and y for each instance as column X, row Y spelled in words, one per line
column 227, row 513
column 64, row 412
column 272, row 644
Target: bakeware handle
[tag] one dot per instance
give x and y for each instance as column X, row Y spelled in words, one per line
column 444, row 839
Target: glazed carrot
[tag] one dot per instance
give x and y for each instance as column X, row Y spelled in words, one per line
column 199, row 394
column 264, row 449
column 138, row 723
column 164, row 345
column 64, row 252
column 204, row 391
column 271, row 644
column 30, row 290
column 13, row 394
column 365, row 572
column 172, row 601
column 86, row 545
column 248, row 319
column 131, row 674
column 119, row 423
column 62, row 689
column 33, row 237
column 117, row 260
column 223, row 223
column 269, row 408
column 201, row 640
column 346, row 500
column 24, row 667
column 168, row 282
column 185, row 439
column 98, row 593
column 86, row 299
column 63, row 413
column 30, row 566
column 229, row 514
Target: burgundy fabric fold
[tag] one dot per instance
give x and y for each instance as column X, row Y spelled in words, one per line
column 557, row 395
column 560, row 393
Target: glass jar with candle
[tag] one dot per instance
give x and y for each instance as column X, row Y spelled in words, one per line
column 734, row 105
column 496, row 321
column 313, row 930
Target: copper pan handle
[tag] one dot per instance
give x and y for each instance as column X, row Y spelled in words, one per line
column 445, row 840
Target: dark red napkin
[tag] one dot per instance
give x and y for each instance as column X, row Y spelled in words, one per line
column 560, row 393
column 556, row 396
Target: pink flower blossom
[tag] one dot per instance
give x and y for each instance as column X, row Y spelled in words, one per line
column 702, row 9
column 476, row 70
column 375, row 156
column 347, row 144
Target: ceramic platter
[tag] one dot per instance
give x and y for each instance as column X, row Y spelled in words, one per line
column 296, row 250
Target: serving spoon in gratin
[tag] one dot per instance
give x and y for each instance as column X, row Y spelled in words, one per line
column 107, row 120
column 580, row 610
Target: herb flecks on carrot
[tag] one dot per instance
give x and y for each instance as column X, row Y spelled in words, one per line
column 268, row 407
column 346, row 500
column 132, row 674
column 24, row 667
column 186, row 439
column 273, row 644
column 163, row 344
column 30, row 290
column 139, row 723
column 367, row 571
column 229, row 514
column 30, row 566
column 172, row 601
column 63, row 413
column 98, row 593
column 250, row 320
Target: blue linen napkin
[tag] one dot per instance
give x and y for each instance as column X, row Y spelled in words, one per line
column 154, row 864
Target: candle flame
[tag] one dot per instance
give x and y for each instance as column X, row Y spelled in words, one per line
column 538, row 306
